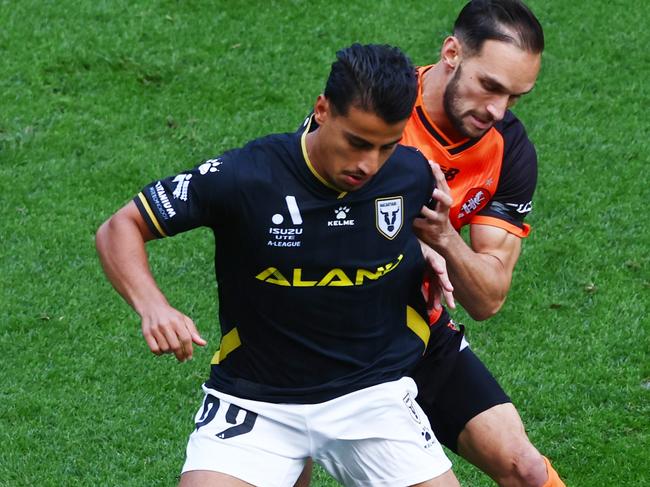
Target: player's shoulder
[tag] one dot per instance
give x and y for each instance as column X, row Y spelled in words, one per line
column 407, row 168
column 518, row 150
column 258, row 162
column 511, row 128
column 262, row 152
column 518, row 177
column 409, row 155
column 410, row 160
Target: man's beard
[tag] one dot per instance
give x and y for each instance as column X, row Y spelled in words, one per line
column 451, row 102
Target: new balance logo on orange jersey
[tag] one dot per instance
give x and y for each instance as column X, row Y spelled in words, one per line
column 449, row 172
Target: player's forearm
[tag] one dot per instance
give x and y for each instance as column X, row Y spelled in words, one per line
column 120, row 246
column 480, row 281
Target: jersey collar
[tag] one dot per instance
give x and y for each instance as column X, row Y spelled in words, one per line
column 431, row 127
column 310, row 125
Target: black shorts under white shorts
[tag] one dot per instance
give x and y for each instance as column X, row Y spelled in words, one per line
column 453, row 385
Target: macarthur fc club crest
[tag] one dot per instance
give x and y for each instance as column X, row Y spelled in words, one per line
column 388, row 216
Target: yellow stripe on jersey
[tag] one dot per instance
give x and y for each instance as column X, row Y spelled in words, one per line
column 229, row 342
column 152, row 217
column 417, row 324
column 303, row 144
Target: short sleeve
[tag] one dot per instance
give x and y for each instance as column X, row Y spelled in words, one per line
column 513, row 200
column 198, row 197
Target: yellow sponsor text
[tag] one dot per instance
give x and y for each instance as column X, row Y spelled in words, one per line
column 337, row 277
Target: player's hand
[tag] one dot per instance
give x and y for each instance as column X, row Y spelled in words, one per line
column 437, row 286
column 167, row 330
column 434, row 225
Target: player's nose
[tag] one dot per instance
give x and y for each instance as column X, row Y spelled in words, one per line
column 370, row 163
column 497, row 107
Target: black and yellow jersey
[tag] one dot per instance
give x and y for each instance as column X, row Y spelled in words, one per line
column 314, row 285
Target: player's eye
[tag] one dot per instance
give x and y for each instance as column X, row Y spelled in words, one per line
column 489, row 86
column 358, row 144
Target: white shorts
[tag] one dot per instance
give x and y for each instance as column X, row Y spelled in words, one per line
column 376, row 437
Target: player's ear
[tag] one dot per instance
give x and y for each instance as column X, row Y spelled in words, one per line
column 451, row 52
column 321, row 109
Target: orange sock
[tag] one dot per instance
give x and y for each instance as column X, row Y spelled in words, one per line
column 553, row 478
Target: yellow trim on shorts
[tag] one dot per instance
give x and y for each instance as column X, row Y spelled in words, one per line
column 229, row 342
column 152, row 217
column 418, row 325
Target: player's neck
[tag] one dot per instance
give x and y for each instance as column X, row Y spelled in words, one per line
column 433, row 91
column 314, row 151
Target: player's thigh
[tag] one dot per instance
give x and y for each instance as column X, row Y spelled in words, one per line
column 378, row 436
column 205, row 478
column 447, row 479
column 259, row 443
column 305, row 477
column 493, row 438
column 496, row 442
column 469, row 389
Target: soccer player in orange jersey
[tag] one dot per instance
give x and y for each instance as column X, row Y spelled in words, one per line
column 486, row 179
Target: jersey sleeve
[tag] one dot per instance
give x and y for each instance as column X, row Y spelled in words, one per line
column 423, row 176
column 513, row 199
column 198, row 197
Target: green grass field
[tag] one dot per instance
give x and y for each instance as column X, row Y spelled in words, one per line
column 98, row 98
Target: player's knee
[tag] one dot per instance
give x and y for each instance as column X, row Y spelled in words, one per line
column 525, row 466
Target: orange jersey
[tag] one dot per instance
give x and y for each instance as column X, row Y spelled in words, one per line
column 492, row 178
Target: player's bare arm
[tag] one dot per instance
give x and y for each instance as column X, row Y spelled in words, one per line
column 121, row 246
column 481, row 273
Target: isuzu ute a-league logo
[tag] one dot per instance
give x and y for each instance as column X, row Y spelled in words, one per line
column 280, row 235
column 388, row 216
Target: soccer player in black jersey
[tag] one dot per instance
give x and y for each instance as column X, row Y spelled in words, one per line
column 320, row 303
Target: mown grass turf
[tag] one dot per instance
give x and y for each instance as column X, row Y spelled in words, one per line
column 99, row 98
